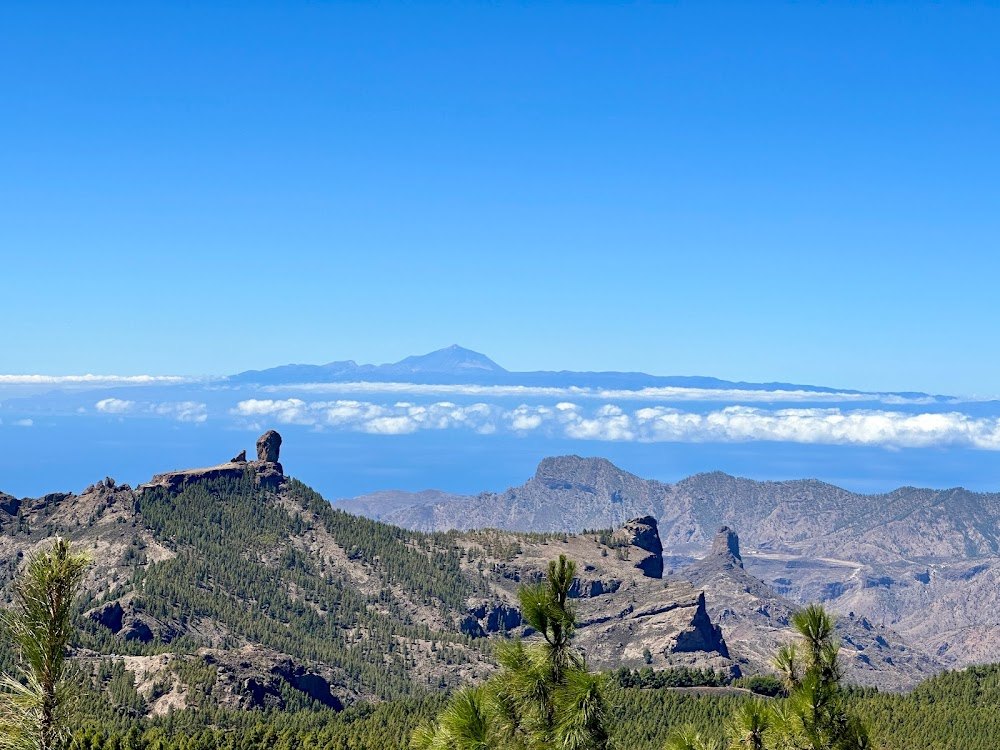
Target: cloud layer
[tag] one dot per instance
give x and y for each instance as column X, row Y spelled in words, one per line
column 829, row 426
column 92, row 380
column 182, row 411
column 670, row 393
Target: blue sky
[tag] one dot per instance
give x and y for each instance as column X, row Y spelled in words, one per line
column 799, row 192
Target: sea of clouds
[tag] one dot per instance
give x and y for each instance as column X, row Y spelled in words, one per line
column 814, row 425
column 647, row 415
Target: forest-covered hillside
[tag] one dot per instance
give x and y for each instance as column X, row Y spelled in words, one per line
column 952, row 711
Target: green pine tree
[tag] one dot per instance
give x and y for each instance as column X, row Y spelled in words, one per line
column 815, row 715
column 34, row 701
column 543, row 696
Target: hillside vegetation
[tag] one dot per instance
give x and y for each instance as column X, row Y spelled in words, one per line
column 953, row 711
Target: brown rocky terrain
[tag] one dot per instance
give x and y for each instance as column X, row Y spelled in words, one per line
column 922, row 562
column 235, row 586
column 268, row 597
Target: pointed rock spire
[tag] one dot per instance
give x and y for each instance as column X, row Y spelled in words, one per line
column 726, row 546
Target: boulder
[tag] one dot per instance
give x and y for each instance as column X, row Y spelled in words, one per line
column 269, row 446
column 240, row 458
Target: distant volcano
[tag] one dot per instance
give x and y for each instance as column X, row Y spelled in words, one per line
column 450, row 359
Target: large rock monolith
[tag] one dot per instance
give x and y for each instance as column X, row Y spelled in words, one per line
column 269, row 446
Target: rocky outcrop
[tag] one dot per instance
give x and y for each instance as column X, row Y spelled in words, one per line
column 267, row 471
column 9, row 504
column 269, row 446
column 724, row 554
column 642, row 535
column 585, row 586
column 257, row 678
column 175, row 481
column 490, row 617
column 701, row 634
column 110, row 616
column 756, row 621
column 669, row 620
column 122, row 619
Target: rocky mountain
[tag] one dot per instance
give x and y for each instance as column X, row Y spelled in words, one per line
column 922, row 562
column 237, row 586
column 755, row 619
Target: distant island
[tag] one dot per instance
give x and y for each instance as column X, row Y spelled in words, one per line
column 456, row 365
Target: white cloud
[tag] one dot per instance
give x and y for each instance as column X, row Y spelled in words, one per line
column 390, row 426
column 23, row 422
column 611, row 422
column 114, row 406
column 824, row 426
column 670, row 393
column 182, row 411
column 92, row 380
column 395, row 419
column 525, row 418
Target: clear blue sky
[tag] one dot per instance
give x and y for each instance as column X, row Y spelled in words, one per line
column 805, row 192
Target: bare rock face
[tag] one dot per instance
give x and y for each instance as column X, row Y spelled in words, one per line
column 668, row 619
column 133, row 625
column 269, row 446
column 241, row 458
column 9, row 504
column 642, row 534
column 268, row 473
column 726, row 546
column 490, row 617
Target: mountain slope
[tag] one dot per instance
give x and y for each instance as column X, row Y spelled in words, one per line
column 235, row 586
column 227, row 564
column 921, row 561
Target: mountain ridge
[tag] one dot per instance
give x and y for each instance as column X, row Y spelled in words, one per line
column 456, row 365
column 896, row 556
column 245, row 580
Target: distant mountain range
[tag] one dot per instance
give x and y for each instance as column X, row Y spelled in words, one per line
column 925, row 562
column 457, row 365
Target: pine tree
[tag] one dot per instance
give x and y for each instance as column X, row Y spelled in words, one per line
column 543, row 696
column 33, row 702
column 815, row 716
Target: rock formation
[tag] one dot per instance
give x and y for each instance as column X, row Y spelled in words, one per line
column 669, row 619
column 642, row 534
column 754, row 620
column 490, row 617
column 9, row 504
column 268, row 447
column 266, row 470
column 726, row 547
